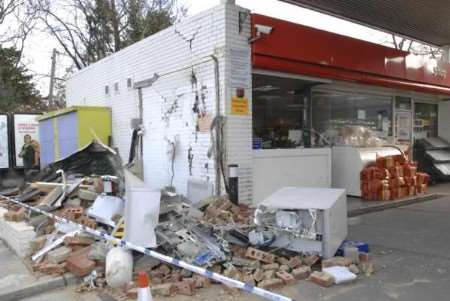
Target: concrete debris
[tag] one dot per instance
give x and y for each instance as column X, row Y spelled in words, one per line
column 59, row 255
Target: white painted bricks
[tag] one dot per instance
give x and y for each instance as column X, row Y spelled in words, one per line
column 17, row 235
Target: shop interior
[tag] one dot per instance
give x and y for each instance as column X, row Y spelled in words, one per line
column 291, row 112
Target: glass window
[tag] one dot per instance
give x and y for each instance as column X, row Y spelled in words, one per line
column 426, row 120
column 280, row 111
column 338, row 115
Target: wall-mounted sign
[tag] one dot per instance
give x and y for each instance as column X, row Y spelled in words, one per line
column 239, row 106
column 26, row 127
column 404, row 125
column 241, row 69
column 4, row 143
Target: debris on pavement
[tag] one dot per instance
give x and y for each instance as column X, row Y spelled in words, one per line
column 236, row 241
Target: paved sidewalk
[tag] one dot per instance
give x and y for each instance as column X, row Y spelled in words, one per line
column 409, row 248
column 17, row 281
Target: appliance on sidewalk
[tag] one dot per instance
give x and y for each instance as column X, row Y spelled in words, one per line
column 306, row 220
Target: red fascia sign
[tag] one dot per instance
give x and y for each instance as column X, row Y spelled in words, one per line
column 303, row 50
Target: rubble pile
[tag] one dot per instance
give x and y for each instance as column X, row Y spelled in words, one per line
column 216, row 236
column 213, row 234
column 391, row 178
column 237, row 241
column 64, row 249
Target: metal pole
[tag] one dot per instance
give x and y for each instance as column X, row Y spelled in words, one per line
column 52, row 78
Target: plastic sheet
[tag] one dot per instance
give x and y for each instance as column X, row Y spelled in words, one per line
column 340, row 274
column 141, row 212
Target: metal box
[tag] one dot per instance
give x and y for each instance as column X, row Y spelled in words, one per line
column 329, row 206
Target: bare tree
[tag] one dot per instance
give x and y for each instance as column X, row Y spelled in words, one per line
column 17, row 20
column 409, row 45
column 89, row 30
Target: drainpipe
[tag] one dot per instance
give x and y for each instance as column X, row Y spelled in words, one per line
column 218, row 134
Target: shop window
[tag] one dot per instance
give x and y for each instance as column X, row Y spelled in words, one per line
column 425, row 120
column 280, row 111
column 342, row 116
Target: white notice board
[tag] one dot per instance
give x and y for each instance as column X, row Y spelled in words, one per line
column 4, row 143
column 24, row 124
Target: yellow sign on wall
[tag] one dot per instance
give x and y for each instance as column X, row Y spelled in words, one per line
column 239, row 106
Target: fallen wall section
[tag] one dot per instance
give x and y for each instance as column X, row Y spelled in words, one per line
column 17, row 235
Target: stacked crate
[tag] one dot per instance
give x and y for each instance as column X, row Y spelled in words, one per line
column 392, row 177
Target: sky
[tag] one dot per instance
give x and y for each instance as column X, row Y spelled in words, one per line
column 39, row 46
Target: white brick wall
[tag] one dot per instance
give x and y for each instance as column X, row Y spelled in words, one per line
column 239, row 128
column 172, row 55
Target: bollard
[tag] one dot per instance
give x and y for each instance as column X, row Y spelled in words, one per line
column 233, row 183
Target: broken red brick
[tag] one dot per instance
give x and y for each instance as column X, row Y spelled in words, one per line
column 38, row 243
column 270, row 283
column 184, row 288
column 301, row 272
column 201, row 281
column 311, row 260
column 322, row 279
column 232, row 272
column 248, row 279
column 271, row 266
column 15, row 216
column 294, row 262
column 175, row 276
column 258, row 275
column 51, row 268
column 337, row 261
column 237, row 251
column 282, row 260
column 78, row 240
column 73, row 212
column 269, row 274
column 286, row 277
column 165, row 290
column 79, row 264
column 260, row 255
column 364, row 257
column 88, row 222
column 132, row 293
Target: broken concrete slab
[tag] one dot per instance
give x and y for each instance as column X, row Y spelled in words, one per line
column 59, row 255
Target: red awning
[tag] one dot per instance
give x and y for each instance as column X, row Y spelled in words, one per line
column 308, row 51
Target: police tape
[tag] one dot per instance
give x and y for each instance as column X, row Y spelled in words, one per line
column 170, row 260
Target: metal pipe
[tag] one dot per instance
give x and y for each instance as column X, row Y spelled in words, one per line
column 218, row 145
